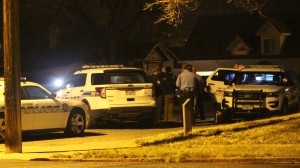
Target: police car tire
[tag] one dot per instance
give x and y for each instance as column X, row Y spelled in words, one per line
column 91, row 123
column 151, row 121
column 76, row 124
column 284, row 109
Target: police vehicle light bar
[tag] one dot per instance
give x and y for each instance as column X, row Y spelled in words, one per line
column 101, row 66
column 23, row 79
column 263, row 66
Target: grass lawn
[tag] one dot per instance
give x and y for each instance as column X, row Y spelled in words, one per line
column 273, row 137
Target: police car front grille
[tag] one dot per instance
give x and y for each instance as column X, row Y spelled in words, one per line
column 248, row 95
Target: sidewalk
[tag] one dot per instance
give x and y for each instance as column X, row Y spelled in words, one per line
column 34, row 150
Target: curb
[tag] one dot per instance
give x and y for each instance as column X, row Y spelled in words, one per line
column 200, row 160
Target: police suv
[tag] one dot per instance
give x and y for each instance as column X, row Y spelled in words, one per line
column 259, row 90
column 113, row 93
column 40, row 111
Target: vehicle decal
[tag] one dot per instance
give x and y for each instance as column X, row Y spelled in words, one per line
column 65, row 107
column 39, row 109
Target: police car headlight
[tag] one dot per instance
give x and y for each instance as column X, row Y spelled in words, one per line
column 272, row 94
column 227, row 94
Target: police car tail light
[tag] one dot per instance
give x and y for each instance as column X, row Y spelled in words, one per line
column 101, row 92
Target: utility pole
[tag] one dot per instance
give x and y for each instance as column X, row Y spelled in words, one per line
column 11, row 40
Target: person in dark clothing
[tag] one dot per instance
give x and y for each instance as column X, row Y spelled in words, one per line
column 167, row 84
column 199, row 91
column 155, row 79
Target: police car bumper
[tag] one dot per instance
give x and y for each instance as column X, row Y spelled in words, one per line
column 124, row 114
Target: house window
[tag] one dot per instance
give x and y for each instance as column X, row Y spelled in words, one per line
column 269, row 46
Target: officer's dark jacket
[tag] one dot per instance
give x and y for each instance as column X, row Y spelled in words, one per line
column 167, row 83
column 156, row 83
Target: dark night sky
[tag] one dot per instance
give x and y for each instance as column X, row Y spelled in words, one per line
column 54, row 33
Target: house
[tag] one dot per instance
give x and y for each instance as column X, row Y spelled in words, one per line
column 222, row 39
column 159, row 56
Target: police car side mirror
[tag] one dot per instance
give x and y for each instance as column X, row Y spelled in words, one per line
column 284, row 81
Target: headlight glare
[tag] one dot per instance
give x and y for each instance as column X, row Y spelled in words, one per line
column 272, row 94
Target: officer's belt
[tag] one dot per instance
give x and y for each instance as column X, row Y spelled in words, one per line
column 187, row 89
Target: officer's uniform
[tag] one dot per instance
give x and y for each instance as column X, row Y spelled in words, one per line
column 186, row 83
column 158, row 95
column 167, row 85
column 199, row 87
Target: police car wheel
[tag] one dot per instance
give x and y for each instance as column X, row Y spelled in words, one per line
column 284, row 108
column 152, row 121
column 76, row 124
column 91, row 123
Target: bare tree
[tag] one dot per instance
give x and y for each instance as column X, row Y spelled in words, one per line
column 97, row 25
column 173, row 10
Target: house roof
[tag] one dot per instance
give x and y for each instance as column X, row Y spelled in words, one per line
column 214, row 33
column 238, row 39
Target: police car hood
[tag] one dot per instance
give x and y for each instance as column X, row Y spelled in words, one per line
column 264, row 88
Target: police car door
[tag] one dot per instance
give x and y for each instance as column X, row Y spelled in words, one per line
column 66, row 92
column 215, row 82
column 47, row 112
column 26, row 112
column 78, row 86
column 293, row 90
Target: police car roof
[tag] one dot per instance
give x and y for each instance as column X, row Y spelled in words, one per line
column 102, row 68
column 262, row 68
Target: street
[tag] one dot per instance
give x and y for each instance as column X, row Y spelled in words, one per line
column 71, row 164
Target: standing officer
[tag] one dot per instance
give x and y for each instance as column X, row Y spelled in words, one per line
column 199, row 90
column 186, row 83
column 155, row 79
column 167, row 83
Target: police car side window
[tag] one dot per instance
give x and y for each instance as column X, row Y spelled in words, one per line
column 98, row 79
column 223, row 75
column 80, row 80
column 35, row 92
column 23, row 95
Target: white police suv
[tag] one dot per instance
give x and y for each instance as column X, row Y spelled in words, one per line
column 215, row 84
column 40, row 111
column 260, row 90
column 113, row 93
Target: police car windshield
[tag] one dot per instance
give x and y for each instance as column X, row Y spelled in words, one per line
column 259, row 78
column 119, row 77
